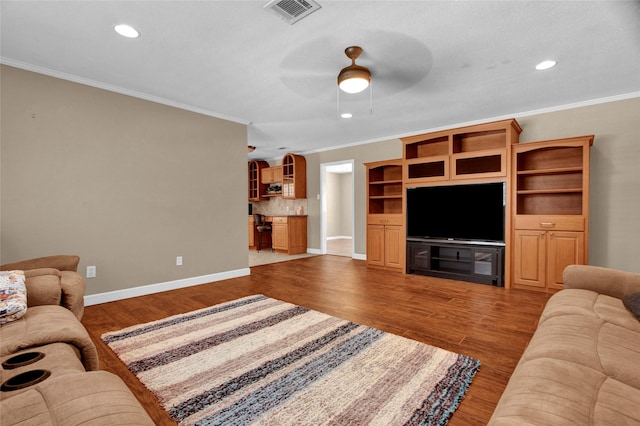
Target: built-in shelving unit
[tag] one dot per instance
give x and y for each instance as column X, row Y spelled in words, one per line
column 551, row 217
column 385, row 217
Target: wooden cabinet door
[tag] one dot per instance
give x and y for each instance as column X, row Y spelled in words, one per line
column 252, row 239
column 393, row 246
column 564, row 249
column 297, row 234
column 277, row 174
column 529, row 258
column 280, row 236
column 266, row 175
column 375, row 245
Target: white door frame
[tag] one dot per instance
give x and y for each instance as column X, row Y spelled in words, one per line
column 324, row 168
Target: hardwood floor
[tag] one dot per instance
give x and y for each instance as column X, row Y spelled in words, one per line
column 489, row 323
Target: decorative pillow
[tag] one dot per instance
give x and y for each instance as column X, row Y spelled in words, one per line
column 13, row 296
column 632, row 302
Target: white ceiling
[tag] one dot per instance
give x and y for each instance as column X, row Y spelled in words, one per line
column 434, row 64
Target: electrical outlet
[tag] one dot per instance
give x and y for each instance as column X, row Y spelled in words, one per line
column 91, row 271
column 179, row 261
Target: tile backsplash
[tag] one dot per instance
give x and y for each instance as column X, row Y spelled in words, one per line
column 278, row 206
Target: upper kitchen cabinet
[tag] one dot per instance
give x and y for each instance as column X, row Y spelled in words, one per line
column 257, row 188
column 294, row 176
column 272, row 174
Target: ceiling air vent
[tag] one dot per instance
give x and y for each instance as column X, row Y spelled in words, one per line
column 292, row 11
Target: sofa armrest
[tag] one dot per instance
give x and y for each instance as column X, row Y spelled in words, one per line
column 73, row 287
column 61, row 262
column 607, row 281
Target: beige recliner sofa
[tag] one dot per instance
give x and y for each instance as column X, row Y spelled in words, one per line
column 582, row 365
column 49, row 364
column 53, row 280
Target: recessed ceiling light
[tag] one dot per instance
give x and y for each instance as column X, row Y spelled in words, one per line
column 545, row 65
column 346, row 115
column 126, row 31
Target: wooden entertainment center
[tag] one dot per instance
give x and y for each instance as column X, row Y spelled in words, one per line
column 546, row 205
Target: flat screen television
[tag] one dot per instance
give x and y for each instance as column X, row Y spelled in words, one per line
column 473, row 212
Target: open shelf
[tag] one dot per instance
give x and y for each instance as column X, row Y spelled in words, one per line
column 550, row 158
column 392, row 173
column 385, row 190
column 479, row 141
column 549, row 177
column 385, row 205
column 429, row 147
column 561, row 202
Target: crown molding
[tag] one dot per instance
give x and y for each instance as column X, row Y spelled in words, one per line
column 117, row 89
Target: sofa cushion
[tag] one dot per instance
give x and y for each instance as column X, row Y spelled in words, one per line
column 601, row 346
column 589, row 304
column 13, row 296
column 94, row 398
column 58, row 358
column 44, row 290
column 555, row 392
column 632, row 302
column 42, row 325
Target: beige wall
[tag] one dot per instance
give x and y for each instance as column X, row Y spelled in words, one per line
column 615, row 176
column 126, row 184
column 339, row 190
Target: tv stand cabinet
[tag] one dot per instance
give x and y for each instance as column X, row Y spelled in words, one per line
column 476, row 262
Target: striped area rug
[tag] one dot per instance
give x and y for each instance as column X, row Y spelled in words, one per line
column 258, row 360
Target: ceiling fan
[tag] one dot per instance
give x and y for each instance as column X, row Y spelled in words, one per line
column 310, row 70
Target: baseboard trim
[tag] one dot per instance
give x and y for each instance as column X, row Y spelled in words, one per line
column 359, row 256
column 339, row 237
column 111, row 296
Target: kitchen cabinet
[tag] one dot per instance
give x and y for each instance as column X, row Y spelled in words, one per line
column 257, row 188
column 289, row 234
column 272, row 175
column 294, row 176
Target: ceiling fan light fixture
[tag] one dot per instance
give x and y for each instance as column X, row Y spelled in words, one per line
column 126, row 31
column 545, row 65
column 354, row 78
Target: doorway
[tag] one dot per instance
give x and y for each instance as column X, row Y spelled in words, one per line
column 337, row 208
